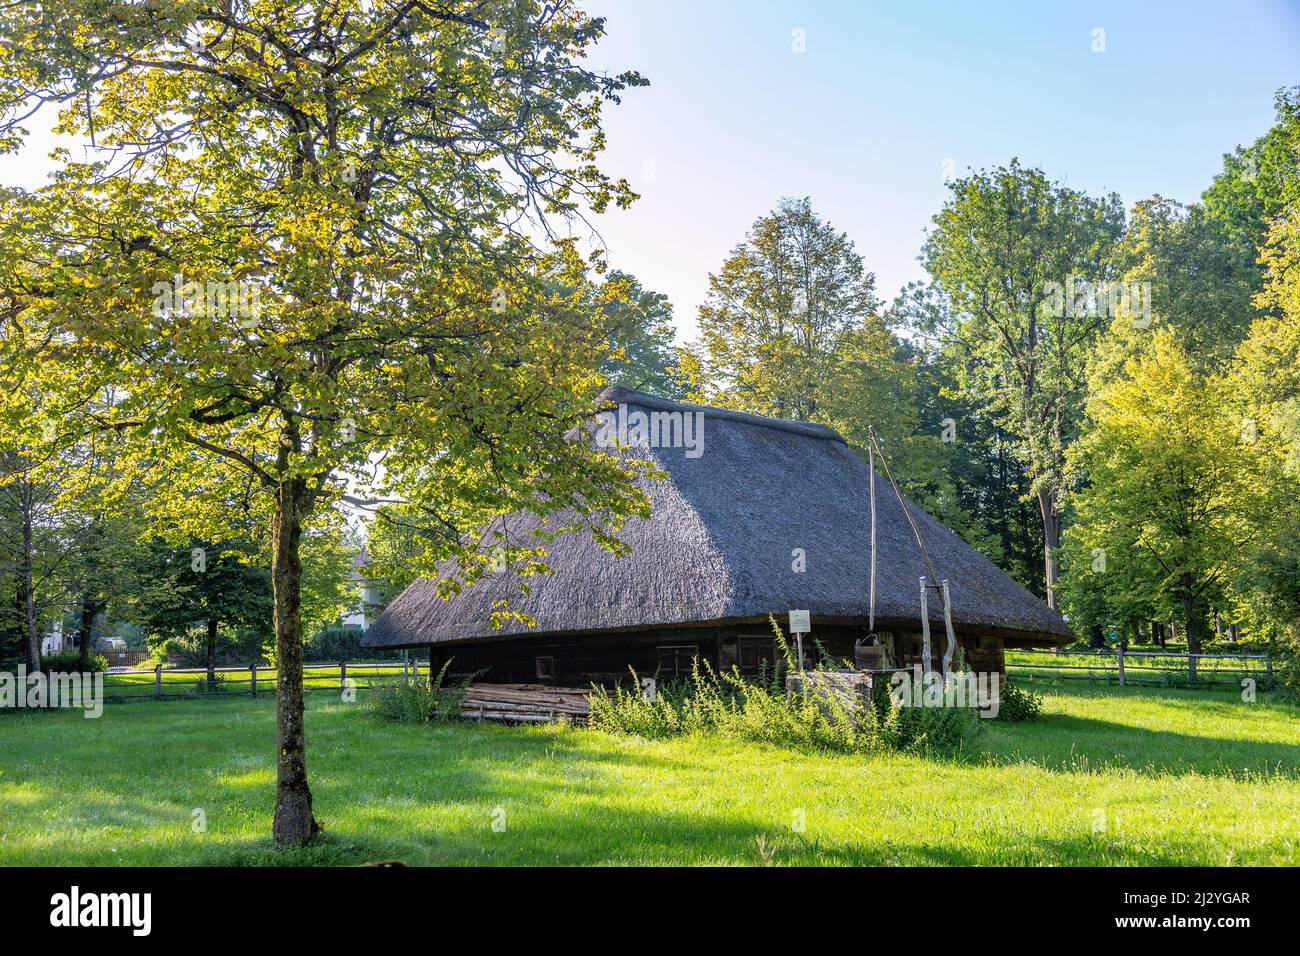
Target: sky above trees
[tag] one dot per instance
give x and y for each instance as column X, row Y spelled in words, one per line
column 864, row 119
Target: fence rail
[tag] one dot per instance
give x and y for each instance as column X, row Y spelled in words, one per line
column 1142, row 667
column 163, row 683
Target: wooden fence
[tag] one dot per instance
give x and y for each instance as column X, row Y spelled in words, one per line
column 123, row 658
column 190, row 682
column 1142, row 667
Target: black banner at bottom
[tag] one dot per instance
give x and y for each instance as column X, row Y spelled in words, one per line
column 335, row 905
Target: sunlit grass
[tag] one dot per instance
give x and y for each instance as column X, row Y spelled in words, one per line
column 1105, row 776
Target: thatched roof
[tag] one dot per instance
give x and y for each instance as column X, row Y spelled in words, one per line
column 719, row 546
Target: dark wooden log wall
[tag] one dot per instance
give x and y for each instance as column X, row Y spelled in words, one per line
column 608, row 659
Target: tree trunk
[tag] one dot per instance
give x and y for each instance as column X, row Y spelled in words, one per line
column 27, row 587
column 294, row 824
column 1051, row 541
column 212, row 651
column 1190, row 624
column 89, row 608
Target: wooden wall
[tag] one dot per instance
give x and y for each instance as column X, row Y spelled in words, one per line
column 580, row 660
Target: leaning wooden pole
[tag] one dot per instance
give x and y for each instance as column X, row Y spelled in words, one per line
column 952, row 638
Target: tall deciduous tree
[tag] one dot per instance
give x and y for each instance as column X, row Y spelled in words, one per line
column 1264, row 390
column 204, row 584
column 310, row 239
column 1201, row 280
column 979, row 483
column 641, row 332
column 777, row 313
column 1005, row 246
column 1162, row 505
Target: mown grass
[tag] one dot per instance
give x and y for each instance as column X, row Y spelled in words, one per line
column 1105, row 776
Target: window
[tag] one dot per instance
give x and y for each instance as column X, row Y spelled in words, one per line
column 545, row 667
column 676, row 660
column 755, row 651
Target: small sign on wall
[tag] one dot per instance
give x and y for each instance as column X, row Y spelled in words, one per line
column 799, row 621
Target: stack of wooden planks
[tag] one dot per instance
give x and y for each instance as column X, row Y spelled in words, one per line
column 525, row 703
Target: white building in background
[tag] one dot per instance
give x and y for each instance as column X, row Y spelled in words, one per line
column 368, row 600
column 54, row 641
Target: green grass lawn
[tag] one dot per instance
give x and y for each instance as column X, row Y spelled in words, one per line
column 1104, row 776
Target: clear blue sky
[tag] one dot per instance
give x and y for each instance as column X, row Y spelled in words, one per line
column 886, row 92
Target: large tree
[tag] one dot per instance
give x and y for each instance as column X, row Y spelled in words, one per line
column 1264, row 390
column 315, row 236
column 208, row 584
column 1201, row 280
column 777, row 313
column 33, row 557
column 641, row 334
column 978, row 483
column 1016, row 254
column 1162, row 507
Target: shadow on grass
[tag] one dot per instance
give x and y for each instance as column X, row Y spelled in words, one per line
column 430, row 794
column 1070, row 743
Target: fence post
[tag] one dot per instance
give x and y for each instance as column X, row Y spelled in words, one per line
column 1268, row 669
column 415, row 668
column 1119, row 656
column 252, row 679
column 157, row 680
column 343, row 676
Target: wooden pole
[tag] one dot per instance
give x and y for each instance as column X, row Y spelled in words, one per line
column 1119, row 656
column 871, row 470
column 947, row 625
column 925, row 630
column 252, row 679
column 157, row 680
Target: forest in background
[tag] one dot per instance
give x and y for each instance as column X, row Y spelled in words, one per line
column 1105, row 402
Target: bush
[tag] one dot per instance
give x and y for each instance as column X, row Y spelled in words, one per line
column 1018, row 703
column 334, row 643
column 236, row 647
column 338, row 642
column 820, row 718
column 69, row 662
column 415, row 699
column 215, row 685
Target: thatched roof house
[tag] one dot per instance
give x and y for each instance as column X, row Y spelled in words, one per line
column 757, row 516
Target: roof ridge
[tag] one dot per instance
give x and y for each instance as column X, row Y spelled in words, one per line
column 619, row 394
